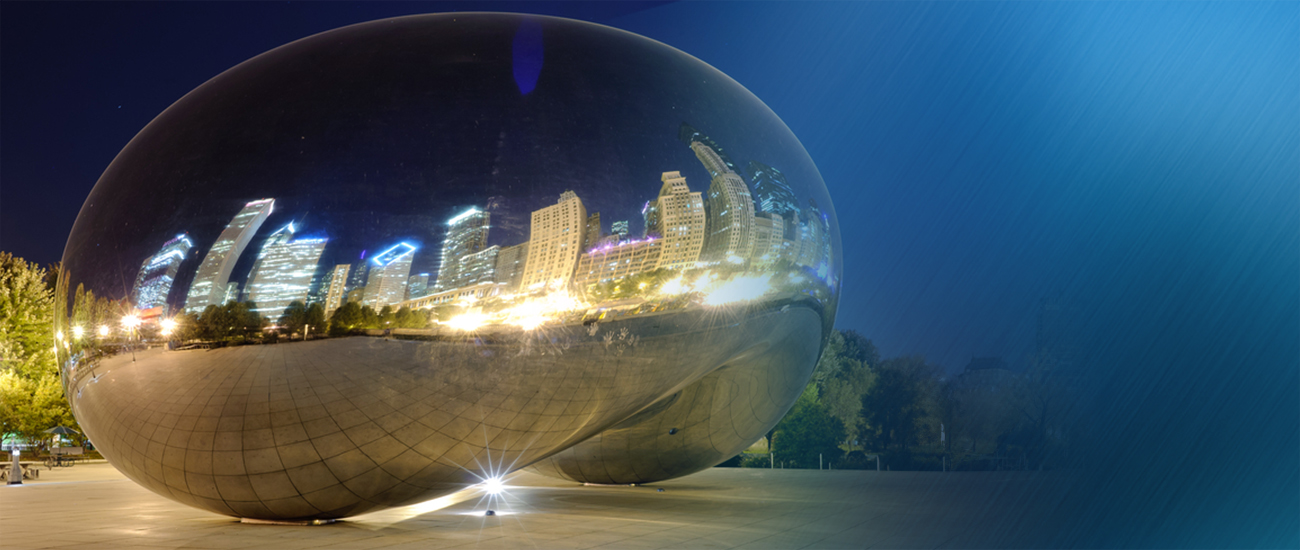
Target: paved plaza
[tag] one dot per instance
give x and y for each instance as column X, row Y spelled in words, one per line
column 94, row 506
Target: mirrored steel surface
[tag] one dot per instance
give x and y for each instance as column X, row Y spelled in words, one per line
column 387, row 262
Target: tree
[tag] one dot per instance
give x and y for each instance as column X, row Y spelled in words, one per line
column 294, row 317
column 842, row 379
column 31, row 394
column 348, row 317
column 807, row 432
column 409, row 318
column 386, row 317
column 899, row 402
column 315, row 318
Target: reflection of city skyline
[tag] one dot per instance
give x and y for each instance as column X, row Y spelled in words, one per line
column 749, row 225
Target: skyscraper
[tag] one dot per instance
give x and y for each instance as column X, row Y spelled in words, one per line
column 619, row 228
column 283, row 271
column 690, row 135
column 677, row 215
column 510, row 265
column 730, row 226
column 466, row 234
column 615, row 261
column 154, row 281
column 557, row 237
column 768, row 242
column 389, row 269
column 593, row 228
column 772, row 192
column 479, row 267
column 336, row 287
column 417, row 285
column 209, row 286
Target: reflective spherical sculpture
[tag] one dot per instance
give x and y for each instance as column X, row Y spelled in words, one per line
column 391, row 261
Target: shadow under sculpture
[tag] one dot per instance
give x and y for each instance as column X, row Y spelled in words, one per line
column 628, row 352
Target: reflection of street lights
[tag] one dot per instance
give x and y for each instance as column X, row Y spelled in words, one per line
column 78, row 332
column 103, row 330
column 168, row 325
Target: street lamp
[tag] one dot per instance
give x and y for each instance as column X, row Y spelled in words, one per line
column 103, row 330
column 78, row 332
column 130, row 322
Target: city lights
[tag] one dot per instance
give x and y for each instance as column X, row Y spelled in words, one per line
column 78, row 332
column 130, row 321
column 103, row 330
column 168, row 325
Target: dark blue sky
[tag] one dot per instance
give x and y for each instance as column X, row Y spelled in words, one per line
column 1135, row 161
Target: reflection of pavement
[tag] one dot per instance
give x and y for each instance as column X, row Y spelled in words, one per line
column 717, row 508
column 340, row 426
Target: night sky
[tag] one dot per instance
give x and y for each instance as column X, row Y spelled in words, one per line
column 1136, row 162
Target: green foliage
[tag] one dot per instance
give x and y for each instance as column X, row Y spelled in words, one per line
column 387, row 317
column 409, row 318
column 31, row 394
column 294, row 317
column 898, row 404
column 842, row 379
column 807, row 432
column 230, row 322
column 346, row 318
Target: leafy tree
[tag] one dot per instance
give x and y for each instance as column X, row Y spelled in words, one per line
column 294, row 317
column 899, row 402
column 841, row 381
column 315, row 318
column 409, row 318
column 346, row 318
column 806, row 432
column 31, row 394
column 387, row 317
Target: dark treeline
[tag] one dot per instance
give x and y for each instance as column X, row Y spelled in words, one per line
column 912, row 416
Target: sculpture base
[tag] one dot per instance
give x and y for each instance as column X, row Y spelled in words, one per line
column 254, row 521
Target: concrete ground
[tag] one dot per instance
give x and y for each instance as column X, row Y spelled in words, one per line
column 94, row 506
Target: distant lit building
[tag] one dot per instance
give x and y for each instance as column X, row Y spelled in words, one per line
column 611, row 262
column 283, row 271
column 677, row 217
column 466, row 234
column 557, row 237
column 336, row 287
column 593, row 229
column 479, row 267
column 417, row 286
column 154, row 281
column 772, row 193
column 510, row 266
column 768, row 243
column 386, row 284
column 688, row 135
column 619, row 228
column 730, row 226
column 213, row 276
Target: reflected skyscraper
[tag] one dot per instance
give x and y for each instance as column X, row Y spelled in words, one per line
column 619, row 228
column 213, row 277
column 154, row 281
column 730, row 228
column 386, row 284
column 768, row 229
column 557, row 238
column 417, row 285
column 677, row 216
column 336, row 287
column 772, row 193
column 510, row 266
column 615, row 261
column 283, row 271
column 466, row 234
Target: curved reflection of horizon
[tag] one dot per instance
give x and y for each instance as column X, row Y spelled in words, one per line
column 538, row 242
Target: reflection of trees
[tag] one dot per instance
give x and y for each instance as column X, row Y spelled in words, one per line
column 31, row 396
